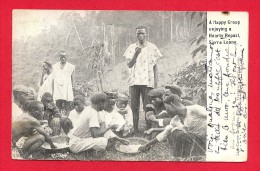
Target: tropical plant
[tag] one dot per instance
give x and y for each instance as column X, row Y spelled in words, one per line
column 199, row 40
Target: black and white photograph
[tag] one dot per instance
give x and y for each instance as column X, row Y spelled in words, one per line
column 109, row 85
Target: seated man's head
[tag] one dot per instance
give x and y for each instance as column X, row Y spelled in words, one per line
column 109, row 105
column 174, row 89
column 79, row 103
column 47, row 100
column 36, row 109
column 21, row 95
column 98, row 101
column 169, row 100
column 156, row 97
column 122, row 101
column 167, row 93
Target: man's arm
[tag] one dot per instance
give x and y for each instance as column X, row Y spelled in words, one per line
column 41, row 81
column 52, row 85
column 132, row 61
column 45, row 134
column 72, row 78
column 154, row 130
column 155, row 71
column 147, row 145
column 99, row 132
column 182, row 111
column 94, row 132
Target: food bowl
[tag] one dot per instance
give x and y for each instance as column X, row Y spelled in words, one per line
column 61, row 142
column 132, row 148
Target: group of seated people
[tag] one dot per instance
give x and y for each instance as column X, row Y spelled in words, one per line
column 107, row 118
column 87, row 127
column 179, row 121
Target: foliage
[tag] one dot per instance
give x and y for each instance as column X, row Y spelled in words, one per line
column 94, row 47
column 200, row 39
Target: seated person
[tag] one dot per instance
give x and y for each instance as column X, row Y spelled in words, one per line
column 124, row 109
column 20, row 97
column 87, row 132
column 188, row 139
column 174, row 89
column 27, row 132
column 164, row 119
column 156, row 108
column 111, row 118
column 30, row 97
column 51, row 114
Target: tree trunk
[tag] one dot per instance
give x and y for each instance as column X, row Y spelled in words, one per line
column 79, row 38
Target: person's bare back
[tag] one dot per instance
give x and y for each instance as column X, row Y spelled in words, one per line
column 24, row 126
column 28, row 128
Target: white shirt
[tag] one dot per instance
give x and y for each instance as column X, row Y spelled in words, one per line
column 82, row 122
column 128, row 117
column 16, row 112
column 142, row 72
column 62, row 82
column 195, row 121
column 47, row 86
column 112, row 118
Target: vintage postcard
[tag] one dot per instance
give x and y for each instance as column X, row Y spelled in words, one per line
column 129, row 85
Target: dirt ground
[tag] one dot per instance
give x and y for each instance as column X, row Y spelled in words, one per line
column 158, row 152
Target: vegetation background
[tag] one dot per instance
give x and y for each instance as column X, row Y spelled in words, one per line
column 96, row 41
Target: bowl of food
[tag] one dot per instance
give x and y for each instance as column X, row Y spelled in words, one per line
column 132, row 147
column 61, row 142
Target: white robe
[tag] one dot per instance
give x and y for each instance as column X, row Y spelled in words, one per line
column 47, row 86
column 62, row 82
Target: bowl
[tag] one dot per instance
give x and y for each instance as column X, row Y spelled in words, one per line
column 61, row 142
column 132, row 147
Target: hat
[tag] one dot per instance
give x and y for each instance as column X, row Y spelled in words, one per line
column 174, row 89
column 123, row 97
column 111, row 94
column 156, row 93
column 173, row 98
column 21, row 88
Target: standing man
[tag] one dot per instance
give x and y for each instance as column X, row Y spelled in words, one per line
column 46, row 82
column 142, row 57
column 63, row 80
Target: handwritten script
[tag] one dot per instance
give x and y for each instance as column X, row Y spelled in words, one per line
column 226, row 90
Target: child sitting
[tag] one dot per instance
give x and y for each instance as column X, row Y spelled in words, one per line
column 113, row 118
column 124, row 110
